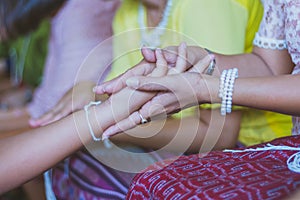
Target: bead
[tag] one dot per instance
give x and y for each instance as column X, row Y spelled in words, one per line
column 227, row 80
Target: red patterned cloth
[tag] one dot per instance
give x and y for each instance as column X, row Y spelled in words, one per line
column 219, row 175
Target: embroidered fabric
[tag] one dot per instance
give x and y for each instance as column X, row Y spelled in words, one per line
column 279, row 28
column 218, row 175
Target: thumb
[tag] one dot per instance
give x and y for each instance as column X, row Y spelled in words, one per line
column 148, row 83
column 202, row 65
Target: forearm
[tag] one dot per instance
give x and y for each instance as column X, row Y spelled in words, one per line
column 249, row 65
column 273, row 93
column 279, row 94
column 260, row 62
column 190, row 134
column 27, row 155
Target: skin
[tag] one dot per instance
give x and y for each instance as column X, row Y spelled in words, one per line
column 246, row 92
column 260, row 63
column 256, row 92
column 197, row 125
column 60, row 139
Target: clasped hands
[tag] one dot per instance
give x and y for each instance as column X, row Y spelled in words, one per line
column 181, row 85
column 166, row 81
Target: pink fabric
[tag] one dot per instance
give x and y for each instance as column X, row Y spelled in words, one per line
column 219, row 175
column 76, row 30
column 281, row 22
column 83, row 177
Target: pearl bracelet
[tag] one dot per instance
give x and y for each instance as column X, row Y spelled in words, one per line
column 226, row 89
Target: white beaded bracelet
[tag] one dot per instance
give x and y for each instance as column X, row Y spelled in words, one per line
column 227, row 80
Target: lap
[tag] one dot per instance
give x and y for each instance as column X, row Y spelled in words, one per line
column 219, row 175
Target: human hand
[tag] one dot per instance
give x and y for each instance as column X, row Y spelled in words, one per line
column 170, row 54
column 167, row 96
column 73, row 100
column 178, row 90
column 144, row 68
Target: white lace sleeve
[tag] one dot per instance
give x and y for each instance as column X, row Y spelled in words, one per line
column 271, row 34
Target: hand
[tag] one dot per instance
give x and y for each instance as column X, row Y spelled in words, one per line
column 194, row 56
column 178, row 90
column 144, row 68
column 172, row 98
column 75, row 99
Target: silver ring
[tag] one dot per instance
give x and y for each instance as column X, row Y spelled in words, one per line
column 211, row 67
column 143, row 120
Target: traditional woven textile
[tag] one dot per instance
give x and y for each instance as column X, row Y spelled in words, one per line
column 220, row 175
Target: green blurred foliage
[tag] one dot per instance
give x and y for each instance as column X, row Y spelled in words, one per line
column 28, row 54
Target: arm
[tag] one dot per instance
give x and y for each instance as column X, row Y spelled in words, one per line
column 191, row 134
column 27, row 155
column 75, row 99
column 261, row 62
column 278, row 93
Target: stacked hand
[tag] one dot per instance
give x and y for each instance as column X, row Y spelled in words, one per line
column 175, row 91
column 75, row 99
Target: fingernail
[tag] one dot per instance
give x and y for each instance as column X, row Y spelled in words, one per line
column 32, row 123
column 184, row 45
column 211, row 56
column 158, row 50
column 132, row 82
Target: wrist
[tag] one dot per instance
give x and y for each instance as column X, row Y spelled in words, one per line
column 208, row 90
column 85, row 125
column 195, row 54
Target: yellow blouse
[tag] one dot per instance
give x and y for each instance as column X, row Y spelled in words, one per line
column 223, row 26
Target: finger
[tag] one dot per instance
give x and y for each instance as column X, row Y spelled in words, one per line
column 161, row 64
column 132, row 121
column 160, row 106
column 148, row 54
column 109, row 87
column 170, row 53
column 38, row 122
column 58, row 115
column 202, row 65
column 181, row 63
column 51, row 120
column 149, row 84
column 49, row 115
column 118, row 83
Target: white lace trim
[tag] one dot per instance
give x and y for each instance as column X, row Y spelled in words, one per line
column 296, row 71
column 269, row 43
